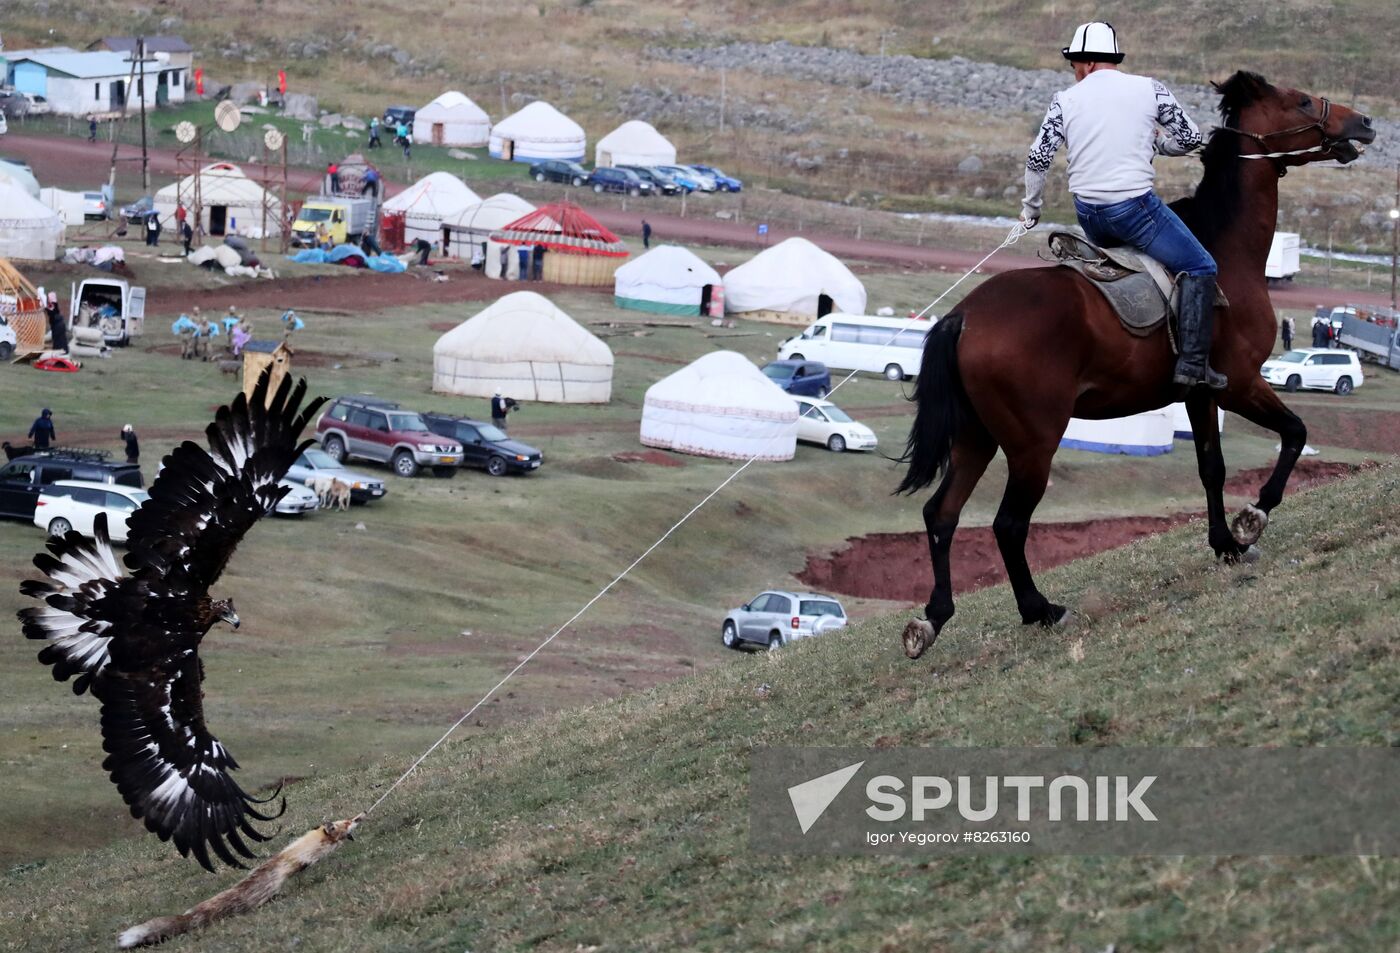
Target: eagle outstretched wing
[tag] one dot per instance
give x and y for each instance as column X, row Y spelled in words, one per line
column 169, row 769
column 205, row 501
column 83, row 599
column 132, row 640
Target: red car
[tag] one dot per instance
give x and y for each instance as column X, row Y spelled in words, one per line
column 375, row 429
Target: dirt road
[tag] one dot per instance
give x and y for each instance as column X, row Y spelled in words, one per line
column 74, row 161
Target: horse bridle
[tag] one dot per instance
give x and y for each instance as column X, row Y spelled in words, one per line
column 1320, row 124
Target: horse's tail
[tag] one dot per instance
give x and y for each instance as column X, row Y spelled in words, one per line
column 942, row 407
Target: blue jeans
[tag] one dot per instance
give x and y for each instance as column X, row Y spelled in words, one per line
column 1146, row 224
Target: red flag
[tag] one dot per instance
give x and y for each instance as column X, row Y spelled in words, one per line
column 199, row 81
column 282, row 81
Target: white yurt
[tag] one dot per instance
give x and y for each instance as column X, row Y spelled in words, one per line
column 668, row 279
column 230, row 202
column 474, row 225
column 792, row 282
column 721, row 406
column 436, row 198
column 1148, row 434
column 528, row 349
column 634, row 143
column 539, row 131
column 29, row 229
column 452, row 120
column 17, row 174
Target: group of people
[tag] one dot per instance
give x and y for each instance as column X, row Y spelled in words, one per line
column 43, row 436
column 183, row 228
column 403, row 137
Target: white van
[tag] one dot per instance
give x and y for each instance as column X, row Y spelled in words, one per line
column 110, row 304
column 858, row 342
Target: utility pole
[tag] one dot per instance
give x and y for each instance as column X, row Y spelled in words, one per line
column 141, row 94
column 1394, row 237
column 723, row 89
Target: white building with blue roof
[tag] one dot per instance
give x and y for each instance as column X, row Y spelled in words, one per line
column 81, row 84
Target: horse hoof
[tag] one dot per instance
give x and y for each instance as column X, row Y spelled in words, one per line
column 1055, row 616
column 918, row 636
column 1249, row 525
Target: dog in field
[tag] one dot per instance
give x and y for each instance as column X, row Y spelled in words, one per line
column 339, row 494
column 321, row 486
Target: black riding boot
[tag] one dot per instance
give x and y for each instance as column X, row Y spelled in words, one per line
column 1195, row 319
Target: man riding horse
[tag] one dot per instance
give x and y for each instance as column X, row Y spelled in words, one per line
column 1113, row 122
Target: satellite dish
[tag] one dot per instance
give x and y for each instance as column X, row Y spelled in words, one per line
column 227, row 116
column 185, row 131
column 272, row 139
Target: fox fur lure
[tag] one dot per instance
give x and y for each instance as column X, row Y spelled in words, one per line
column 252, row 891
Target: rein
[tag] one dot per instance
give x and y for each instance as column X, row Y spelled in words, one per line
column 1320, row 124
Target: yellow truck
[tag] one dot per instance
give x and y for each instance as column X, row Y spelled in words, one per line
column 338, row 220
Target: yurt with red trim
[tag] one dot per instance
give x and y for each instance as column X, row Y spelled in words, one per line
column 562, row 243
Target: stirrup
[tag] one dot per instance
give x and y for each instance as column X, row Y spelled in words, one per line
column 1193, row 376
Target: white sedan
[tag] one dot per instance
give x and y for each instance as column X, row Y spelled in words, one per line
column 298, row 501
column 821, row 421
column 74, row 504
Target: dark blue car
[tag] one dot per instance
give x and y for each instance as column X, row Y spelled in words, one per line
column 725, row 183
column 810, row 378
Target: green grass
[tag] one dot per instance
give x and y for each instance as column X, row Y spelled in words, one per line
column 623, row 826
column 353, row 644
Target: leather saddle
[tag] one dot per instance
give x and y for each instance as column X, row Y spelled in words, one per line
column 1139, row 289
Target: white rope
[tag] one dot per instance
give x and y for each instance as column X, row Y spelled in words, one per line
column 1280, row 155
column 1012, row 236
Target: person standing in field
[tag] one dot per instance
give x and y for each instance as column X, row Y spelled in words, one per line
column 1286, row 329
column 646, row 234
column 374, row 142
column 42, row 432
column 133, row 446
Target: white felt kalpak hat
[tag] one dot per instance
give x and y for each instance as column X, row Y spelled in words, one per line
column 1096, row 41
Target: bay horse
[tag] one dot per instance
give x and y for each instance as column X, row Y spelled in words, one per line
column 1028, row 349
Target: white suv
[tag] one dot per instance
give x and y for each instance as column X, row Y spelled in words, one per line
column 1316, row 368
column 74, row 504
column 775, row 618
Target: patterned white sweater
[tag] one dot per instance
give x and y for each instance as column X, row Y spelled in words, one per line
column 1110, row 121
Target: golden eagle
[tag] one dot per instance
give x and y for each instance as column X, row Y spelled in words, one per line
column 133, row 640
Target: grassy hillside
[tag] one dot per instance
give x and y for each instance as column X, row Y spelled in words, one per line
column 623, row 826
column 588, row 57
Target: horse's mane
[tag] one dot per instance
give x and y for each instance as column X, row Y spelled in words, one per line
column 1214, row 206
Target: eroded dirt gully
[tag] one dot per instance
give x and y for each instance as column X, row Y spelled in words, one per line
column 895, row 566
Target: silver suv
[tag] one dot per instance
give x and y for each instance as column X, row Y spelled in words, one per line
column 775, row 618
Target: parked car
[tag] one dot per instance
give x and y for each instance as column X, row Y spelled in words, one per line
column 559, row 170
column 619, row 180
column 317, row 463
column 38, row 105
column 24, row 478
column 799, row 377
column 661, row 183
column 136, row 212
column 94, row 206
column 1315, row 368
column 298, row 501
column 4, row 124
column 375, row 429
column 774, row 618
column 821, row 421
column 393, row 115
column 726, row 183
column 687, row 179
column 74, row 504
column 704, row 181
column 485, row 446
